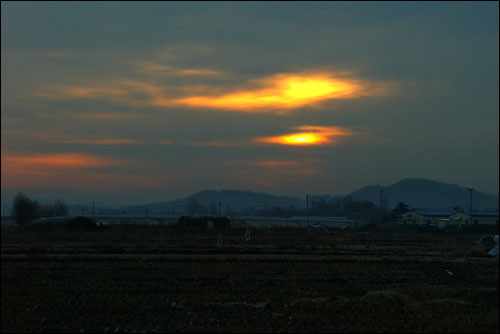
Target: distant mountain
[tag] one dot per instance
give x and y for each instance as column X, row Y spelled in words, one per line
column 428, row 194
column 240, row 200
column 236, row 200
column 416, row 193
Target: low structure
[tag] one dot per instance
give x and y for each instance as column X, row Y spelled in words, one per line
column 477, row 218
column 424, row 217
column 74, row 223
column 443, row 219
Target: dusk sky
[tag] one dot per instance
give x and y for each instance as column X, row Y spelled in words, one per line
column 134, row 102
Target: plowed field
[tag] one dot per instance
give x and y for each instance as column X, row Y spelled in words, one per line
column 155, row 279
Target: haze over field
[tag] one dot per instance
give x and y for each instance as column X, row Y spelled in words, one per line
column 416, row 193
column 144, row 102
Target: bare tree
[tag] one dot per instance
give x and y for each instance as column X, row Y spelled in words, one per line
column 24, row 209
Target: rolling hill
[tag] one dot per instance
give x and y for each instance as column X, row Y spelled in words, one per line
column 416, row 193
column 428, row 194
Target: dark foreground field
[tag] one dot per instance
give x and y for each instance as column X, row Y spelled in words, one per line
column 155, row 279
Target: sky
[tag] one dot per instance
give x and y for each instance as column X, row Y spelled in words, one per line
column 135, row 102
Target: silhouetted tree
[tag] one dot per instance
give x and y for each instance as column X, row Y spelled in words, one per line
column 24, row 209
column 398, row 210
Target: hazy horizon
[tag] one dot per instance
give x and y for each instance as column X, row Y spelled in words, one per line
column 134, row 103
column 67, row 198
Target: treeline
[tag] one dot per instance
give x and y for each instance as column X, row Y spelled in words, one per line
column 344, row 206
column 324, row 207
column 25, row 210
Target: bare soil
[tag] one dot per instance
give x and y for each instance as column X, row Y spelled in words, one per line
column 160, row 279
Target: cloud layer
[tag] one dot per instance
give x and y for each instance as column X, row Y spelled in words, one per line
column 290, row 98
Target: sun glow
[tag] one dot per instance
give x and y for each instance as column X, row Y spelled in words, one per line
column 316, row 135
column 301, row 139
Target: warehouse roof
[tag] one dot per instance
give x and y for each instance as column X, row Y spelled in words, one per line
column 444, row 213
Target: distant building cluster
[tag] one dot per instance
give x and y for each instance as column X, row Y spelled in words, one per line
column 442, row 219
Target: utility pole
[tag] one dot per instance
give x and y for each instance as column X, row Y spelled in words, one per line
column 174, row 211
column 93, row 203
column 470, row 203
column 219, row 209
column 381, row 192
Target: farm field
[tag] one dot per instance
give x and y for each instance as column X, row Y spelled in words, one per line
column 161, row 279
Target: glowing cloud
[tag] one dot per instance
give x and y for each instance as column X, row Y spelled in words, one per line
column 78, row 171
column 282, row 91
column 310, row 135
column 63, row 170
column 60, row 160
column 278, row 93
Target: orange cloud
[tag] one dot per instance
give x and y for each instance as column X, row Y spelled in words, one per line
column 68, row 170
column 310, row 135
column 59, row 160
column 278, row 93
column 282, row 91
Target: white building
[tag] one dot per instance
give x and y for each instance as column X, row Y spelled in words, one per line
column 423, row 217
column 442, row 219
column 478, row 217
